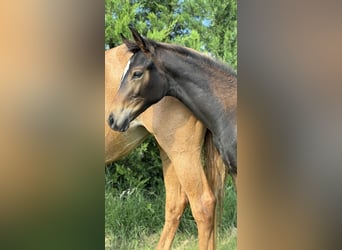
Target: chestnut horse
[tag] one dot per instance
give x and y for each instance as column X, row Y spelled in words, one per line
column 181, row 138
column 207, row 87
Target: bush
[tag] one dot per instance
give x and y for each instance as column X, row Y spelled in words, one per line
column 141, row 169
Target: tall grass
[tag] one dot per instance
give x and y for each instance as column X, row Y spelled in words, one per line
column 134, row 219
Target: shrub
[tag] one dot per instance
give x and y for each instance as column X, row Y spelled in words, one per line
column 141, row 169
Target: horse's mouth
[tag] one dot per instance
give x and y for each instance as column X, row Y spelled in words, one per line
column 123, row 128
column 120, row 125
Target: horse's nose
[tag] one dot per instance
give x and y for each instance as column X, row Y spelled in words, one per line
column 111, row 120
column 119, row 122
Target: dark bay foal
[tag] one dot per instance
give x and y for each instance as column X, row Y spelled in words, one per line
column 207, row 87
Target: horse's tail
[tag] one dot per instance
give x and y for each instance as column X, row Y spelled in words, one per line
column 216, row 173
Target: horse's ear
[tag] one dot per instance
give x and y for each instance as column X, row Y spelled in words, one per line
column 144, row 45
column 124, row 39
column 132, row 46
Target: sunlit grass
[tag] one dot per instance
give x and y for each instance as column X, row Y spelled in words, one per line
column 134, row 220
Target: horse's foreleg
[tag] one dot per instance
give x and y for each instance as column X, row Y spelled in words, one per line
column 175, row 204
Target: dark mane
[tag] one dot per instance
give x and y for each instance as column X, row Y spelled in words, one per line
column 187, row 53
column 204, row 59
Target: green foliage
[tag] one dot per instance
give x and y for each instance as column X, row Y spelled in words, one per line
column 224, row 30
column 229, row 211
column 141, row 169
column 207, row 26
column 118, row 14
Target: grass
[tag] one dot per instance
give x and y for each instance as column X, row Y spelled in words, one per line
column 183, row 241
column 134, row 219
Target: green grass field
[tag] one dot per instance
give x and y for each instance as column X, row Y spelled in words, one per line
column 134, row 220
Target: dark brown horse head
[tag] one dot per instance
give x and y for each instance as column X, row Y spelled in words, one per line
column 142, row 84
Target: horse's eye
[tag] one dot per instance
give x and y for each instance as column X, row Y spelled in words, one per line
column 137, row 74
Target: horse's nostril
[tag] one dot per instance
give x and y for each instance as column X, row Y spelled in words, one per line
column 110, row 119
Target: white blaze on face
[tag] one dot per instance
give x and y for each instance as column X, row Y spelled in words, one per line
column 125, row 70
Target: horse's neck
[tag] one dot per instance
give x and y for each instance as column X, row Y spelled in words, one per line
column 193, row 85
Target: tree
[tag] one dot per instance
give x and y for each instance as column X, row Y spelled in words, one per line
column 118, row 14
column 223, row 26
column 207, row 26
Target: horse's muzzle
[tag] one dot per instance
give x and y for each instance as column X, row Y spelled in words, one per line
column 118, row 124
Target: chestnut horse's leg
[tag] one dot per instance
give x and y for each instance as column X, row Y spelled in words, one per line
column 186, row 157
column 183, row 145
column 201, row 198
column 175, row 204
